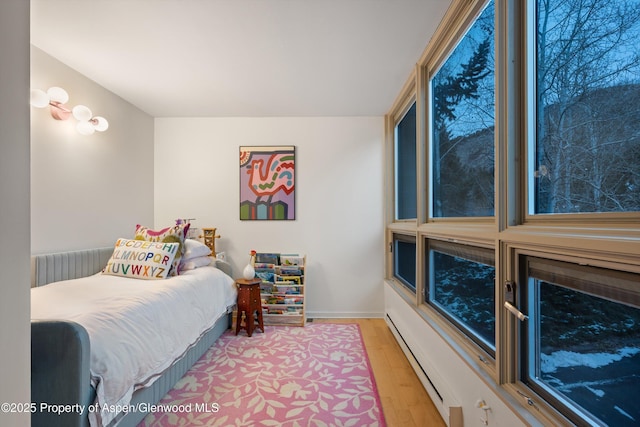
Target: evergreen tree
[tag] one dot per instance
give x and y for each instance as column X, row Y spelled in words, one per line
column 454, row 182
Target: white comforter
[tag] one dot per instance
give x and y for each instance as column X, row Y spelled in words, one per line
column 137, row 328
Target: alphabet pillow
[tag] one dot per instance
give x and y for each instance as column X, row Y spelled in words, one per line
column 175, row 234
column 141, row 260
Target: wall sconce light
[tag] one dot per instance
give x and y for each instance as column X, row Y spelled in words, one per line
column 56, row 98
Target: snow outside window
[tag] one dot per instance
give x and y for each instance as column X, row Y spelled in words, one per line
column 461, row 286
column 581, row 344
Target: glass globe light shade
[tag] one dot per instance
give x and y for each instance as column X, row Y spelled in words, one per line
column 39, row 98
column 101, row 124
column 85, row 128
column 57, row 94
column 82, row 113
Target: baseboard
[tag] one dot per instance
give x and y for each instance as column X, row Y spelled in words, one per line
column 344, row 315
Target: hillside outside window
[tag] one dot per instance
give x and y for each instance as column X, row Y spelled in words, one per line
column 462, row 123
column 587, row 107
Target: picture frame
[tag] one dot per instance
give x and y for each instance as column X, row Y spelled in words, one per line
column 267, row 182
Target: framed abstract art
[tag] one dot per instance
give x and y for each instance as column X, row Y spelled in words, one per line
column 267, row 182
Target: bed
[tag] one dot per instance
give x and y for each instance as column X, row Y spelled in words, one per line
column 106, row 347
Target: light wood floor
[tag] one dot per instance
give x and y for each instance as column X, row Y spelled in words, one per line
column 405, row 402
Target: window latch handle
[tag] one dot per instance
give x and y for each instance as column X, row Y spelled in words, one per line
column 514, row 310
column 510, row 291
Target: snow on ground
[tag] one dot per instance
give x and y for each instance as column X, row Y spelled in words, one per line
column 617, row 408
column 566, row 359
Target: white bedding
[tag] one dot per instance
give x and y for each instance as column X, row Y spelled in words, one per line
column 137, row 328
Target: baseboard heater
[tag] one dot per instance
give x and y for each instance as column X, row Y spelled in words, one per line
column 453, row 415
column 435, row 389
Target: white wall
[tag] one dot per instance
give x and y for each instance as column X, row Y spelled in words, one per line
column 339, row 176
column 86, row 191
column 15, row 360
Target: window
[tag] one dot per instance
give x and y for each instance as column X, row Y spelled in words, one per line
column 404, row 260
column 526, row 169
column 581, row 344
column 587, row 150
column 405, row 166
column 462, row 123
column 461, row 286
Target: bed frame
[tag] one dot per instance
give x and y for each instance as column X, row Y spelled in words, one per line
column 60, row 349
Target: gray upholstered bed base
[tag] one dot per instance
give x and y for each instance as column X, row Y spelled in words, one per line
column 60, row 350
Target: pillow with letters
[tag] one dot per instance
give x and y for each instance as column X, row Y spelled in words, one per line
column 140, row 259
column 175, row 234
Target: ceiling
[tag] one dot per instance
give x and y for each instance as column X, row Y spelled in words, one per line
column 242, row 58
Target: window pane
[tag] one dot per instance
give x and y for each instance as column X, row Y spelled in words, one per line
column 462, row 123
column 584, row 350
column 587, row 155
column 404, row 260
column 405, row 166
column 462, row 289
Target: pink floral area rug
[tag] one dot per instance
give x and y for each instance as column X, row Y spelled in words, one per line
column 317, row 375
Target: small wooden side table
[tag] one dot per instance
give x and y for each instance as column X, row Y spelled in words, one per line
column 248, row 304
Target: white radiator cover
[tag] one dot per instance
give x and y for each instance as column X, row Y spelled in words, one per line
column 451, row 383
